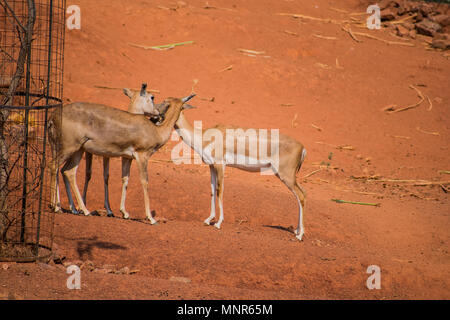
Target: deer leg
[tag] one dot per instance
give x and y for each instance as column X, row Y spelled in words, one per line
column 105, row 180
column 55, row 204
column 126, row 163
column 299, row 194
column 142, row 160
column 213, row 195
column 220, row 177
column 69, row 173
column 67, row 165
column 88, row 174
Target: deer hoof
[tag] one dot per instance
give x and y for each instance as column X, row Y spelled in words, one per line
column 299, row 237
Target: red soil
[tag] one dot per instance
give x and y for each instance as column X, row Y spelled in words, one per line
column 254, row 256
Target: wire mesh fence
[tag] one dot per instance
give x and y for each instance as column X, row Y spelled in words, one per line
column 31, row 84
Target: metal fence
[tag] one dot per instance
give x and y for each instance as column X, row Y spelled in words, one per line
column 31, row 85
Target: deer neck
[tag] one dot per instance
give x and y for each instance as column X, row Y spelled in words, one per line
column 167, row 126
column 185, row 130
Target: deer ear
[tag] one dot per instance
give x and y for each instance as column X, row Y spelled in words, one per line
column 128, row 92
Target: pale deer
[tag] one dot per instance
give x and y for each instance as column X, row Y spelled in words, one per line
column 285, row 157
column 107, row 132
column 141, row 103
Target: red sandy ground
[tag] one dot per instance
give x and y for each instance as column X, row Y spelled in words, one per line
column 254, row 256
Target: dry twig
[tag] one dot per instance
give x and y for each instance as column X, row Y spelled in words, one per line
column 427, row 132
column 393, row 110
column 324, row 37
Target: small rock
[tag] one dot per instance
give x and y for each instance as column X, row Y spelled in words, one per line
column 87, row 265
column 427, row 27
column 441, row 19
column 402, row 9
column 46, row 266
column 383, row 4
column 412, row 34
column 124, row 270
column 419, row 17
column 441, row 41
column 409, row 25
column 402, row 31
column 180, row 279
column 410, row 7
column 57, row 259
column 425, row 9
column 387, row 14
column 5, row 266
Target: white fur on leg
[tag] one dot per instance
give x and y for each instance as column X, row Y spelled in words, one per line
column 300, row 230
column 218, row 223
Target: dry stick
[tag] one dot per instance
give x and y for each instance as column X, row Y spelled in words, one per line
column 116, row 88
column 324, row 37
column 166, row 8
column 207, row 6
column 338, row 10
column 311, row 173
column 294, row 121
column 316, row 127
column 358, row 13
column 293, row 15
column 411, row 182
column 251, row 51
column 385, row 41
column 161, row 47
column 430, row 103
column 339, row 188
column 342, row 147
column 286, row 104
column 444, row 171
column 227, row 68
column 322, row 65
column 403, row 19
column 349, row 31
column 355, row 202
column 400, row 137
column 427, row 132
column 291, row 33
column 422, row 98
